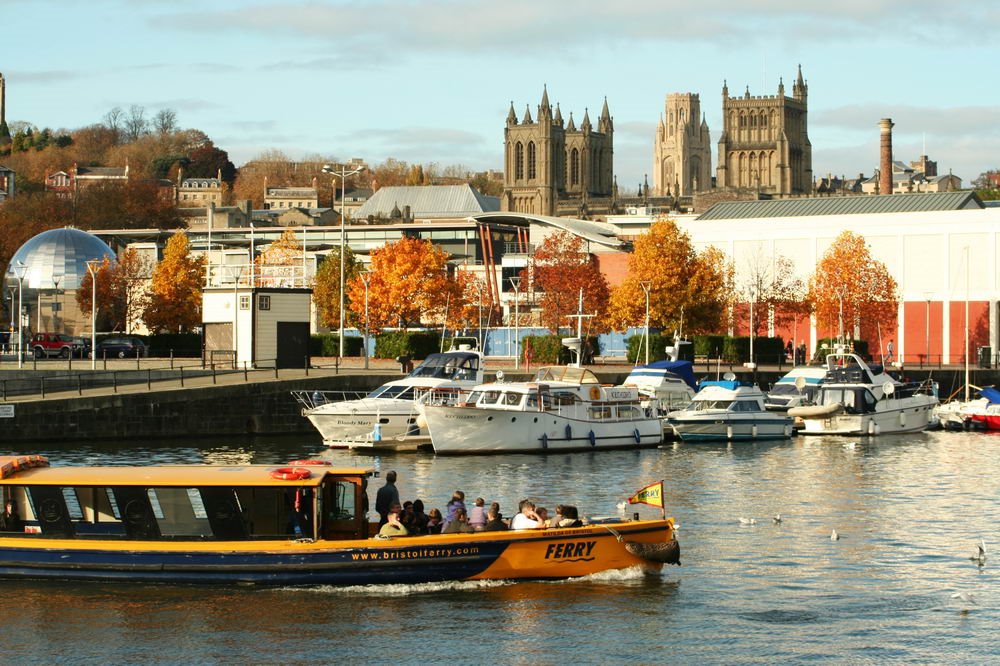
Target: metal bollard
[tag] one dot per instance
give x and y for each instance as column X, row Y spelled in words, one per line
column 41, row 385
column 79, row 385
column 114, row 379
column 246, row 377
column 213, row 374
column 171, row 359
column 149, row 379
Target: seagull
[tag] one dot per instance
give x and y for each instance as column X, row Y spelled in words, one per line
column 748, row 521
column 777, row 519
column 850, row 445
column 980, row 557
column 834, row 536
column 965, row 597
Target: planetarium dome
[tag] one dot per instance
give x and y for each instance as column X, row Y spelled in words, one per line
column 55, row 259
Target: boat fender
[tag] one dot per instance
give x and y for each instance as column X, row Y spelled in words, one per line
column 569, row 432
column 545, row 440
column 664, row 553
column 312, row 461
column 593, row 438
column 595, row 393
column 729, row 432
column 753, row 431
column 291, row 474
column 637, row 436
column 816, row 411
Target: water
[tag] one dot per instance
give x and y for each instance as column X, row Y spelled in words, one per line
column 910, row 510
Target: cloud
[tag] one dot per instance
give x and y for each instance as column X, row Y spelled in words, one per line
column 44, row 76
column 911, row 120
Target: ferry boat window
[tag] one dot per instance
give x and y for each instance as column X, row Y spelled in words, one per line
column 490, row 397
column 512, row 398
column 628, row 412
column 137, row 512
column 268, row 513
column 49, row 507
column 72, row 504
column 599, row 413
column 175, row 514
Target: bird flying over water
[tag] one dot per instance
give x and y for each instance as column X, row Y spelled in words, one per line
column 980, row 557
column 777, row 519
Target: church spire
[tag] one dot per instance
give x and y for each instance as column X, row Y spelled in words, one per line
column 585, row 125
column 527, row 116
column 4, row 130
column 781, row 86
column 725, row 89
column 545, row 96
column 571, row 127
column 545, row 109
column 604, row 124
column 511, row 116
column 800, row 89
column 558, row 120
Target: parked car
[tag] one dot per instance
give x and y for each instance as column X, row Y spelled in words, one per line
column 53, row 344
column 121, row 347
column 81, row 347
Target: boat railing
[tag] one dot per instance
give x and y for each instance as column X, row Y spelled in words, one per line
column 313, row 399
column 440, row 396
column 925, row 387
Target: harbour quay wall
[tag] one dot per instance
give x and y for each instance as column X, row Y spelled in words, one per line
column 263, row 407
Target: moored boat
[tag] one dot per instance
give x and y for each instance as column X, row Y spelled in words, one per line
column 982, row 413
column 304, row 524
column 858, row 399
column 727, row 410
column 563, row 408
column 794, row 389
column 387, row 417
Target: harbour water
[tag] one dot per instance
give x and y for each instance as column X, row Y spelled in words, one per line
column 909, row 511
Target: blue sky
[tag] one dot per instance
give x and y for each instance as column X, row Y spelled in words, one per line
column 431, row 80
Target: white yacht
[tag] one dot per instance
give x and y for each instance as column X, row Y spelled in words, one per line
column 728, row 411
column 794, row 389
column 858, row 399
column 389, row 413
column 563, row 408
column 664, row 385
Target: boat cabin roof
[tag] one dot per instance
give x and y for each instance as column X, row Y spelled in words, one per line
column 565, row 373
column 17, row 471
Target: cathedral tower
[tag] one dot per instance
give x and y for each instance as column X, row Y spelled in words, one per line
column 682, row 151
column 547, row 162
column 4, row 130
column 765, row 141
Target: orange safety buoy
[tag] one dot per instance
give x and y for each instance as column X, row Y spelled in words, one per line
column 298, row 463
column 291, row 474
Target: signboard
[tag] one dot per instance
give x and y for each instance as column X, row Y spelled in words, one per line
column 6, row 411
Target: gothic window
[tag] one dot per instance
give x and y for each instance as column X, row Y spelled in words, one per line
column 574, row 167
column 763, row 120
column 518, row 161
column 753, row 120
column 531, row 160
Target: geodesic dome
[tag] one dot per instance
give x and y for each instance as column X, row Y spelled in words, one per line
column 55, row 259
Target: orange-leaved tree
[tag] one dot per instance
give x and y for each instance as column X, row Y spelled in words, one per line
column 687, row 290
column 326, row 286
column 105, row 294
column 852, row 288
column 129, row 280
column 408, row 283
column 560, row 268
column 174, row 304
column 280, row 263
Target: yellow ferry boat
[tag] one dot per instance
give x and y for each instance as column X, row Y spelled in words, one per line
column 304, row 524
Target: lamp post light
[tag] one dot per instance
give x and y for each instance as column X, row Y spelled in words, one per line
column 366, row 277
column 341, row 173
column 646, row 285
column 253, row 275
column 20, row 268
column 10, row 340
column 515, row 282
column 93, row 266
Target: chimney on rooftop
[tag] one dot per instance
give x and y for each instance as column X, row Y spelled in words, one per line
column 885, row 156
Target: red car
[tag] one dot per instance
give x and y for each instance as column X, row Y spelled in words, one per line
column 53, row 344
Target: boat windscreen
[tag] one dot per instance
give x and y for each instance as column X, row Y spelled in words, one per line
column 448, row 365
column 393, row 392
column 705, row 405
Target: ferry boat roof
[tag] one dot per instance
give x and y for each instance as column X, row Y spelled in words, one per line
column 15, row 470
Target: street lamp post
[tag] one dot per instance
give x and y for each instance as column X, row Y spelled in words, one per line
column 927, row 327
column 645, row 289
column 342, row 173
column 10, row 340
column 515, row 282
column 19, row 270
column 93, row 266
column 479, row 326
column 253, row 273
column 366, row 277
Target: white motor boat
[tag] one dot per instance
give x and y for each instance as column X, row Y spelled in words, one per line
column 390, row 412
column 982, row 413
column 858, row 399
column 664, row 385
column 794, row 389
column 728, row 411
column 563, row 408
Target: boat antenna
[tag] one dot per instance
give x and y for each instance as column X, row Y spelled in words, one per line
column 444, row 323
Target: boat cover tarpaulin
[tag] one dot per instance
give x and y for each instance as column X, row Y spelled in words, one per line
column 683, row 369
column 990, row 393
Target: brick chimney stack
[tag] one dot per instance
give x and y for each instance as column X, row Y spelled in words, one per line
column 885, row 156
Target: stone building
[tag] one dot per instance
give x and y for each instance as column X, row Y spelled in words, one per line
column 291, row 197
column 197, row 192
column 682, row 150
column 765, row 142
column 555, row 168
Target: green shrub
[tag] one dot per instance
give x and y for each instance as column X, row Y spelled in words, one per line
column 709, row 345
column 415, row 344
column 548, row 349
column 765, row 350
column 328, row 344
column 180, row 344
column 859, row 347
column 658, row 344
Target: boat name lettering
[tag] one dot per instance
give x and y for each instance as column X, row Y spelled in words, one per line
column 414, row 553
column 575, row 550
column 619, row 394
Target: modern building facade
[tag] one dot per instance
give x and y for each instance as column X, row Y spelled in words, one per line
column 765, row 144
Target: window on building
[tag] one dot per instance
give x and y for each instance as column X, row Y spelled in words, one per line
column 574, row 167
column 264, row 302
column 244, row 301
column 518, row 161
column 531, row 160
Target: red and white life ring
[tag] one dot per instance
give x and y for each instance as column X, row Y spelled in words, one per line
column 291, row 474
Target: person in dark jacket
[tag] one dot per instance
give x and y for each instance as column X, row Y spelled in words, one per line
column 386, row 497
column 10, row 521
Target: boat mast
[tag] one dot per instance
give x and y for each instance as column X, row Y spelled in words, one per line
column 966, row 323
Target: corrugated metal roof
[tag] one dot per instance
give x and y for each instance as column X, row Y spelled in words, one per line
column 594, row 232
column 859, row 205
column 429, row 201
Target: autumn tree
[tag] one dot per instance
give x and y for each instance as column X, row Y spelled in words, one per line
column 852, row 287
column 175, row 292
column 408, row 283
column 770, row 284
column 688, row 290
column 559, row 269
column 134, row 204
column 104, row 312
column 326, row 286
column 281, row 262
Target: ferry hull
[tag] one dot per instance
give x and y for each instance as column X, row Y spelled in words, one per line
column 482, row 556
column 456, row 430
column 340, row 427
column 709, row 429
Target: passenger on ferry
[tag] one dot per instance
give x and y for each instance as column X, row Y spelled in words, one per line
column 526, row 519
column 495, row 506
column 10, row 521
column 434, row 522
column 459, row 524
column 456, row 502
column 477, row 515
column 493, row 522
column 392, row 527
column 543, row 515
column 416, row 520
column 566, row 516
column 386, row 497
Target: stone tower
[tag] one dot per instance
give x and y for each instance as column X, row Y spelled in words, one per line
column 548, row 162
column 765, row 141
column 4, row 130
column 682, row 151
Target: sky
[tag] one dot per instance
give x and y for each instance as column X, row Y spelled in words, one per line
column 431, row 81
